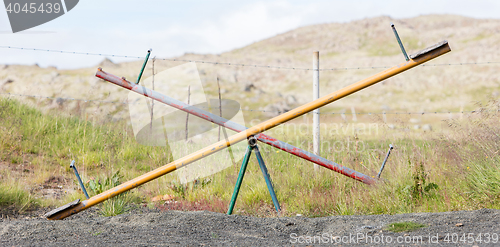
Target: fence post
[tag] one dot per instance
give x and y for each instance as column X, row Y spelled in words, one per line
column 220, row 105
column 152, row 101
column 187, row 116
column 316, row 137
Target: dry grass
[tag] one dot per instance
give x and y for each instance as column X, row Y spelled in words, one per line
column 456, row 170
column 453, row 167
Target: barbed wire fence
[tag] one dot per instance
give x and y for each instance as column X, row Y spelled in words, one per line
column 343, row 113
column 238, row 64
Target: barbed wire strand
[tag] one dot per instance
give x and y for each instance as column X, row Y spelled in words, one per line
column 237, row 64
column 256, row 110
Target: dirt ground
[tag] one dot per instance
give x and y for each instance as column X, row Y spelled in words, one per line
column 150, row 227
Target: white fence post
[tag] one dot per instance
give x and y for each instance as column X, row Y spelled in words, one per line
column 316, row 137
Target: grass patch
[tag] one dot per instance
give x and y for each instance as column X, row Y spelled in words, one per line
column 431, row 173
column 46, row 144
column 405, row 226
column 14, row 197
column 117, row 205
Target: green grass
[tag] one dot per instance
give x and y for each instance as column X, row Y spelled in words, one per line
column 48, row 143
column 116, row 205
column 61, row 139
column 404, row 226
column 14, row 196
column 425, row 173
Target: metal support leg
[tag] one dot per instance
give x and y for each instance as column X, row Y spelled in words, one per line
column 79, row 179
column 240, row 179
column 399, row 42
column 269, row 183
column 143, row 66
column 252, row 145
column 385, row 160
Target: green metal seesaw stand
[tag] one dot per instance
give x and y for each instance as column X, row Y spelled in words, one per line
column 252, row 146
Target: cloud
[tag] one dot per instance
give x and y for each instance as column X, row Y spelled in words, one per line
column 231, row 30
column 222, row 32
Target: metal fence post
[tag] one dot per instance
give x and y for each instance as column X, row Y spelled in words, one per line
column 316, row 131
column 187, row 116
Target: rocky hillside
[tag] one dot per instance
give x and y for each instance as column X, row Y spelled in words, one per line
column 363, row 43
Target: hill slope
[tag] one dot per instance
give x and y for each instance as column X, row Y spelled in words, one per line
column 363, row 43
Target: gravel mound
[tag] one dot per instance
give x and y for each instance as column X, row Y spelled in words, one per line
column 207, row 228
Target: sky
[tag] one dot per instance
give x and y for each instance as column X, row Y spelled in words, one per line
column 174, row 27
